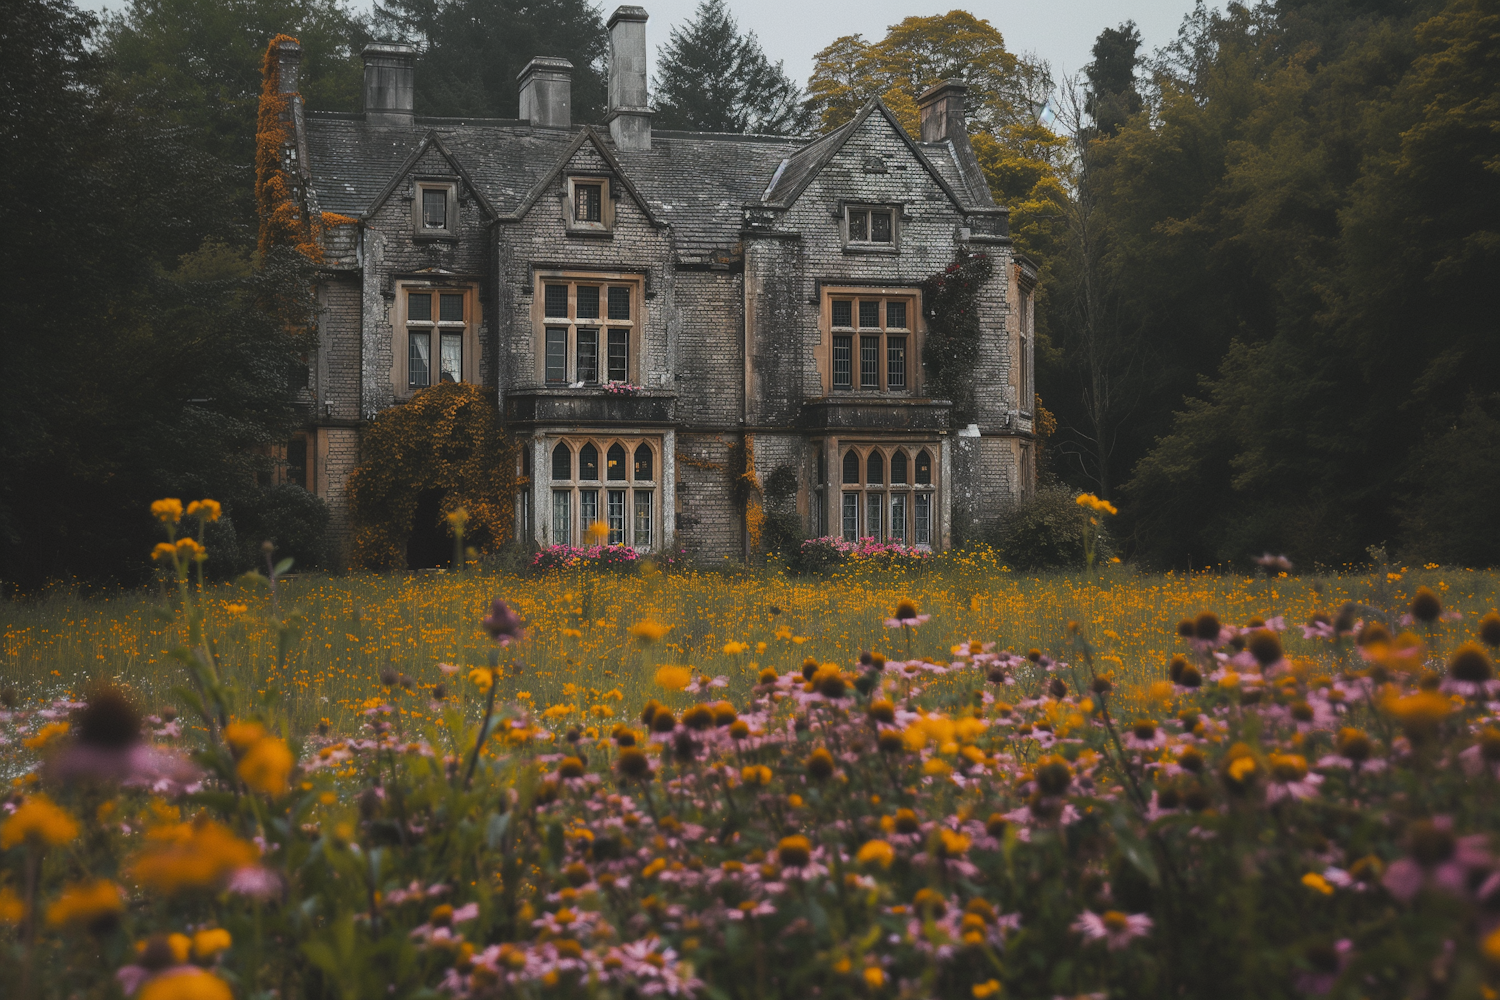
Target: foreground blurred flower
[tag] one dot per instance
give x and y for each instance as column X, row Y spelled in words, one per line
column 1419, row 713
column 38, row 822
column 503, row 624
column 267, row 766
column 673, row 678
column 1269, row 562
column 168, row 511
column 186, row 983
column 1114, row 928
column 906, row 616
column 1436, row 858
column 876, row 852
column 94, row 905
column 185, row 856
column 649, row 631
column 106, row 745
column 12, row 907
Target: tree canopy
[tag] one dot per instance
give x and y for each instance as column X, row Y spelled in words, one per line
column 711, row 78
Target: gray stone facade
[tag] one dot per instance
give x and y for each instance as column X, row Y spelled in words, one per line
column 652, row 307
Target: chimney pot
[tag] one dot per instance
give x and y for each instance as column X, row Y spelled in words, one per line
column 942, row 110
column 390, row 73
column 547, row 92
column 629, row 103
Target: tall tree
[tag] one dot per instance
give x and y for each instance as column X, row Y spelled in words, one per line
column 473, row 50
column 711, row 78
column 1112, row 94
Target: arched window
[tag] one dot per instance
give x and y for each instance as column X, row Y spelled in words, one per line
column 851, row 467
column 643, row 463
column 616, row 462
column 924, row 468
column 562, row 463
column 876, row 467
column 898, row 468
column 588, row 463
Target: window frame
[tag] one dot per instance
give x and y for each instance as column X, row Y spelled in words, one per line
column 402, row 326
column 571, row 324
column 602, row 487
column 606, row 222
column 856, row 497
column 868, row 243
column 828, row 351
column 452, row 219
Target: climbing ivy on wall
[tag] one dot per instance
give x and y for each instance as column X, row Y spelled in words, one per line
column 282, row 220
column 449, row 438
column 950, row 352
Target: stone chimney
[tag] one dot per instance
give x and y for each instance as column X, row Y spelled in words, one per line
column 547, row 92
column 390, row 72
column 942, row 110
column 629, row 111
column 288, row 61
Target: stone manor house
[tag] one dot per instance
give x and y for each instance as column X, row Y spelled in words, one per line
column 643, row 303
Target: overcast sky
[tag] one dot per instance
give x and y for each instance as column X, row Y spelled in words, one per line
column 1060, row 31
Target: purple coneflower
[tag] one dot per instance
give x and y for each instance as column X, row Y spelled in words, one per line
column 1436, row 858
column 503, row 624
column 1114, row 928
column 906, row 616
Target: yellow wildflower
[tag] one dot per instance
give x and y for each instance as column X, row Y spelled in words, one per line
column 954, row 844
column 190, row 856
column 1491, row 946
column 874, row 976
column 189, row 984
column 266, row 766
column 735, row 648
column 12, row 907
column 84, row 903
column 189, row 549
column 1418, row 713
column 167, row 511
column 163, row 552
column 482, row 678
column 1317, row 883
column 38, row 822
column 207, row 510
column 208, row 943
column 46, row 735
column 756, row 774
column 597, row 532
column 243, row 735
column 649, row 631
column 985, row 989
column 673, row 678
column 876, row 852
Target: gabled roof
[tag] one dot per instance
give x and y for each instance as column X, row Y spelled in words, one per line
column 430, row 141
column 590, row 137
column 798, row 171
column 697, row 182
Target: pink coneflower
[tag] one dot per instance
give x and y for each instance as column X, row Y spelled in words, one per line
column 503, row 624
column 1145, row 734
column 1114, row 928
column 1290, row 779
column 906, row 616
column 1436, row 858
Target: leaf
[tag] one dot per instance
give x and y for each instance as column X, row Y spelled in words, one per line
column 1136, row 850
column 282, row 566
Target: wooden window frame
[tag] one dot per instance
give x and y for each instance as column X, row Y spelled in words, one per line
column 601, row 487
column 448, row 185
column 869, row 244
column 401, row 326
column 542, row 322
column 887, row 490
column 914, row 332
column 606, row 223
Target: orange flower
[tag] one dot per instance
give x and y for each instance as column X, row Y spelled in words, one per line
column 186, row 984
column 191, row 856
column 207, row 510
column 85, row 903
column 266, row 766
column 38, row 822
column 168, row 511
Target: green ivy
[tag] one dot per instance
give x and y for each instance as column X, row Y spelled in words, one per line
column 950, row 351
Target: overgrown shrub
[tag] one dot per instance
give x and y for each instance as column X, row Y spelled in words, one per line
column 819, row 555
column 1045, row 531
column 287, row 516
column 448, row 439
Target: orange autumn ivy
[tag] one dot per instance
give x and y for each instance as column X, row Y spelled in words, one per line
column 282, row 219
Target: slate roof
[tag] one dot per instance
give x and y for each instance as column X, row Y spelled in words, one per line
column 697, row 182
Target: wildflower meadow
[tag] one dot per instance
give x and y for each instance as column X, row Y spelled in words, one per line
column 908, row 778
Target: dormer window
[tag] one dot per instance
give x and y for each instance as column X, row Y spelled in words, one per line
column 435, row 209
column 871, row 226
column 589, row 208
